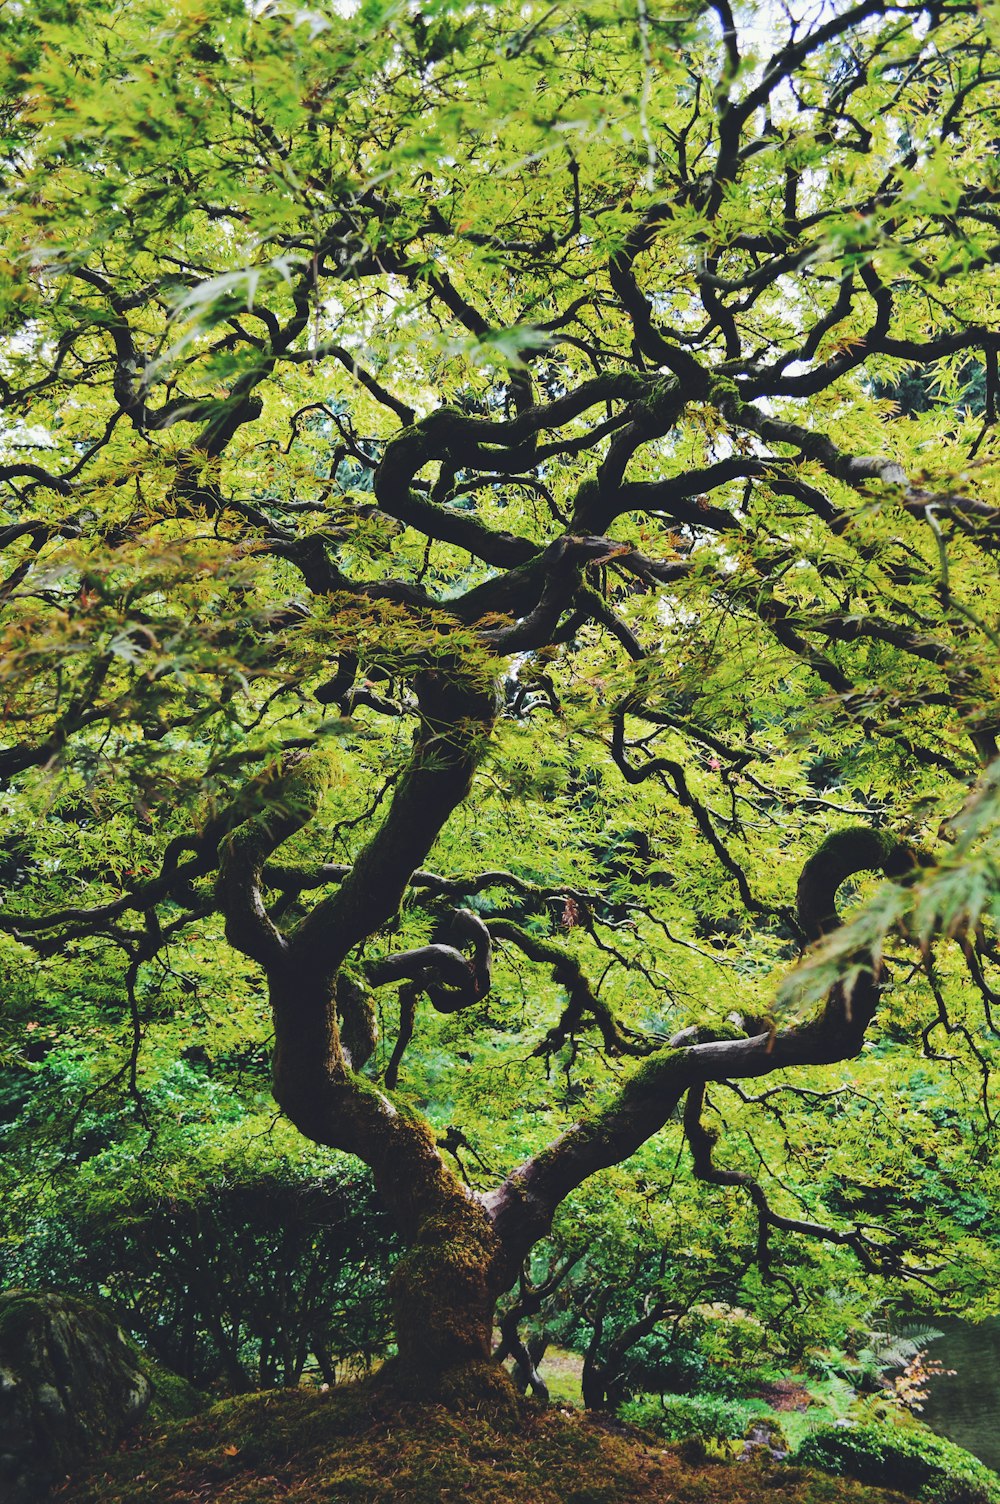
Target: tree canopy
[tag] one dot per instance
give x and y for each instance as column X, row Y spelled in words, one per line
column 500, row 525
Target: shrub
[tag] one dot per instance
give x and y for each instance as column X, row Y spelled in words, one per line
column 682, row 1417
column 237, row 1285
column 908, row 1458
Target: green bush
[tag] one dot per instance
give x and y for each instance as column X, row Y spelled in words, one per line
column 683, row 1417
column 236, row 1285
column 910, row 1459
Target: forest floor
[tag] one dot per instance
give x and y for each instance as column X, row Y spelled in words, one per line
column 357, row 1443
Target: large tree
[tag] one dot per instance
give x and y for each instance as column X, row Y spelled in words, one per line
column 499, row 506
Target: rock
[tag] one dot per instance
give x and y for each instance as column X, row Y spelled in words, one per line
column 765, row 1436
column 71, row 1384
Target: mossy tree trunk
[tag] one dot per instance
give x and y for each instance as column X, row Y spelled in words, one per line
column 445, row 1286
column 444, row 1293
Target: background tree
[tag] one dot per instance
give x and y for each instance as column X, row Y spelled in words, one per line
column 436, row 433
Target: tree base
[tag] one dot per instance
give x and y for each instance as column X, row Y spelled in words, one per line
column 480, row 1385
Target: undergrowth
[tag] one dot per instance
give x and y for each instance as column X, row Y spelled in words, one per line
column 359, row 1443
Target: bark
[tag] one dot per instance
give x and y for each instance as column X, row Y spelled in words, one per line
column 605, row 1375
column 445, row 1287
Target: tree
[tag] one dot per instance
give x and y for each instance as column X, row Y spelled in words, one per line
column 438, row 432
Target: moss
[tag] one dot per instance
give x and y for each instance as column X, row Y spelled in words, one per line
column 700, row 1033
column 843, row 854
column 666, row 391
column 443, row 1301
column 361, row 1442
column 311, row 778
column 442, row 418
column 293, row 792
column 722, row 390
column 17, row 1314
column 173, row 1397
column 855, row 845
column 483, row 1387
column 652, row 1077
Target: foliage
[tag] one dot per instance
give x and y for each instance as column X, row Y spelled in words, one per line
column 678, row 1417
column 657, row 1297
column 905, row 1457
column 867, row 1362
column 909, row 1389
column 174, row 1398
column 236, row 1285
column 499, row 516
column 229, row 1250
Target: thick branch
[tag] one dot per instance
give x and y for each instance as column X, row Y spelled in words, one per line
column 524, row 1205
column 456, row 715
column 450, row 979
column 290, row 794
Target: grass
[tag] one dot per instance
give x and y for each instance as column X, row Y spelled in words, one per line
column 359, row 1443
column 562, row 1371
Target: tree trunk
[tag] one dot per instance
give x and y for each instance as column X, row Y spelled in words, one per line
column 444, row 1292
column 445, row 1286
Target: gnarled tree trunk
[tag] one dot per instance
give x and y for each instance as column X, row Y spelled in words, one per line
column 445, row 1286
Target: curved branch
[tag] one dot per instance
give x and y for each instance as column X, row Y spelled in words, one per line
column 522, row 1208
column 456, row 714
column 290, row 793
column 450, row 979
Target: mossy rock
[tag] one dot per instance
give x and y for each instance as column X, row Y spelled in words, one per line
column 71, row 1384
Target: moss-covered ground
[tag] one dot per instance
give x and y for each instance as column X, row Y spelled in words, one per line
column 358, row 1443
